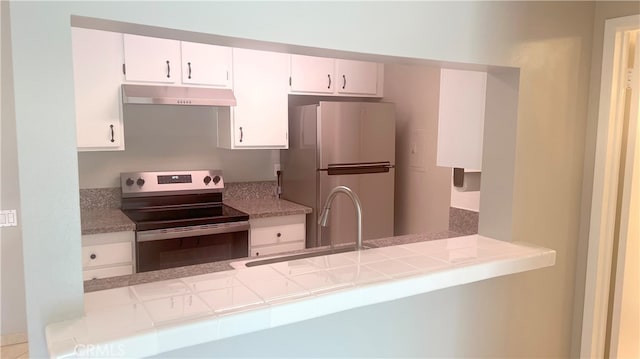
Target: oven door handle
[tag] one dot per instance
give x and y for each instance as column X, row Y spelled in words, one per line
column 182, row 232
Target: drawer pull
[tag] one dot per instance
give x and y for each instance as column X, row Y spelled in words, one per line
column 93, row 256
column 279, row 235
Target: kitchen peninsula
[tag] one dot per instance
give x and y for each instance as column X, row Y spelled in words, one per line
column 152, row 318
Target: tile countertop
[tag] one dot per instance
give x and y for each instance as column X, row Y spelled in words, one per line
column 106, row 220
column 152, row 318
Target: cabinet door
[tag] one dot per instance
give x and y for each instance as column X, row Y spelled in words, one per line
column 261, row 85
column 277, row 249
column 97, row 75
column 461, row 118
column 312, row 74
column 357, row 77
column 100, row 273
column 150, row 59
column 204, row 64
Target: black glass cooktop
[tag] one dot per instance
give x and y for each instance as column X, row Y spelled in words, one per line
column 183, row 216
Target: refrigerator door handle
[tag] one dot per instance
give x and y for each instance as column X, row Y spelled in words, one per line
column 357, row 168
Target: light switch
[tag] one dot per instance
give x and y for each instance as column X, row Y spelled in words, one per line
column 416, row 150
column 8, row 218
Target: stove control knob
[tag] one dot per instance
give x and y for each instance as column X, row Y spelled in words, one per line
column 140, row 181
column 129, row 182
column 216, row 179
column 207, row 179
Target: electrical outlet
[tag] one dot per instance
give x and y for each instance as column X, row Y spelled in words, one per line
column 276, row 168
column 8, row 218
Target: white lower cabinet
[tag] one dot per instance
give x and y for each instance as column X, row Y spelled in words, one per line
column 275, row 235
column 107, row 254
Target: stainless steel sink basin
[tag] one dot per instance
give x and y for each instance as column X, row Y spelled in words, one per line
column 292, row 257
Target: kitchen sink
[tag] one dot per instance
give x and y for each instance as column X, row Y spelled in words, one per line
column 293, row 257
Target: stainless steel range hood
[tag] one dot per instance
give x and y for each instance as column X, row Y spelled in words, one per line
column 177, row 95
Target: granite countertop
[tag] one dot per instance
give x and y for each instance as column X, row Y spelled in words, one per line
column 104, row 220
column 187, row 271
column 266, row 207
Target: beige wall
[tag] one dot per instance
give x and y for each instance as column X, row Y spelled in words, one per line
column 12, row 297
column 603, row 10
column 162, row 138
column 421, row 188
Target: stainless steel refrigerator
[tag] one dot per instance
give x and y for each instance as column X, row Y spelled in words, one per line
column 341, row 143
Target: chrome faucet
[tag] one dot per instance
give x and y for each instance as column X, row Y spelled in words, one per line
column 324, row 218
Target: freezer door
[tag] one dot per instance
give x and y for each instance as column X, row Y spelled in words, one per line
column 356, row 132
column 376, row 193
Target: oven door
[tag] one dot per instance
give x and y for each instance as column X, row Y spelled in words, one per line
column 183, row 246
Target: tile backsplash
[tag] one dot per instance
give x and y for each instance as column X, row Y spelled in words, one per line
column 463, row 221
column 100, row 198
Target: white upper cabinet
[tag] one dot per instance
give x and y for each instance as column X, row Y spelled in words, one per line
column 320, row 75
column 150, row 59
column 97, row 76
column 461, row 119
column 357, row 77
column 312, row 74
column 261, row 86
column 207, row 65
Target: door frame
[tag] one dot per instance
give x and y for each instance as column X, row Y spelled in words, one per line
column 604, row 199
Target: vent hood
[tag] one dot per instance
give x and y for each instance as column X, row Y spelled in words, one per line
column 177, row 95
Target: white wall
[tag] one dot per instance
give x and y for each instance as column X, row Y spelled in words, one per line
column 159, row 138
column 421, row 188
column 549, row 41
column 12, row 297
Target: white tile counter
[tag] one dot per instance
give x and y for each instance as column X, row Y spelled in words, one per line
column 152, row 318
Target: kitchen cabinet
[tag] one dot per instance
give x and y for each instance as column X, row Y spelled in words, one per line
column 151, row 59
column 206, row 65
column 311, row 74
column 461, row 119
column 107, row 254
column 97, row 76
column 261, row 86
column 337, row 77
column 273, row 235
column 358, row 77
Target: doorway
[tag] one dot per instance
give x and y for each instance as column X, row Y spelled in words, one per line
column 611, row 317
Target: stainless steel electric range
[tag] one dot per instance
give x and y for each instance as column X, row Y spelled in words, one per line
column 180, row 219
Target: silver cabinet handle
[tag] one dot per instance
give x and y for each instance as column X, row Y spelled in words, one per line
column 168, row 69
column 112, row 134
column 189, row 65
column 344, row 81
column 329, row 76
column 241, row 134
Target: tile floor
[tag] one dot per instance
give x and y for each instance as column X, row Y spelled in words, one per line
column 15, row 351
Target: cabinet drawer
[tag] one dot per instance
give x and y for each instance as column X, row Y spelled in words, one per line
column 107, row 238
column 106, row 272
column 277, row 234
column 276, row 249
column 105, row 254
